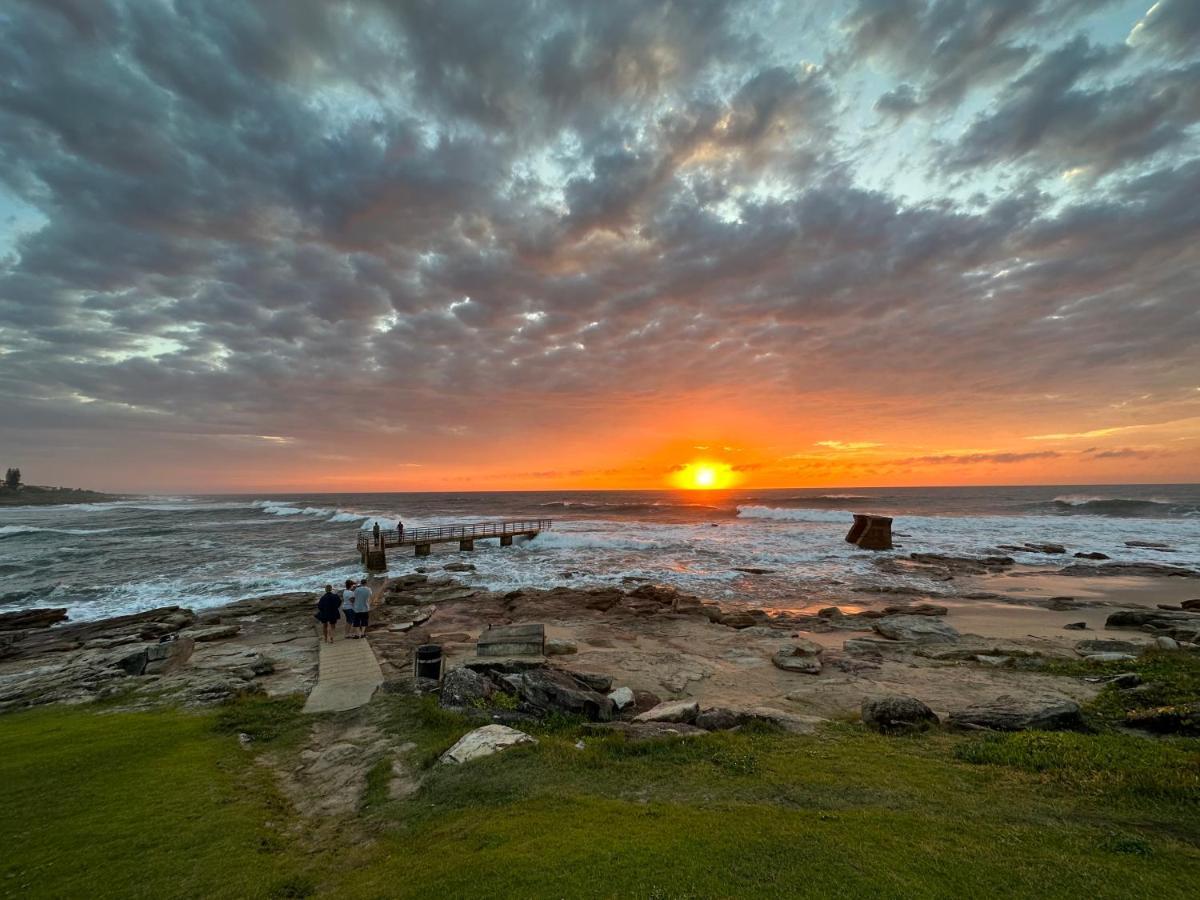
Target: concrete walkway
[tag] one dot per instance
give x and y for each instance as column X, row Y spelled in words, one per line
column 349, row 674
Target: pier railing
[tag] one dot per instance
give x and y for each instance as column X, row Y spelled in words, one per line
column 391, row 537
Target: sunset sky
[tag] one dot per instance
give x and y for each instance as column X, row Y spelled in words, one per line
column 308, row 245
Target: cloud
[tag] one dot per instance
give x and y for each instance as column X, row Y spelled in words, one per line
column 404, row 231
column 1169, row 26
column 975, row 458
column 847, row 445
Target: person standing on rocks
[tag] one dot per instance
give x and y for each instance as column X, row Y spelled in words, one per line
column 348, row 606
column 328, row 614
column 362, row 608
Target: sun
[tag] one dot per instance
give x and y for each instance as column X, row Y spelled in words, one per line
column 703, row 476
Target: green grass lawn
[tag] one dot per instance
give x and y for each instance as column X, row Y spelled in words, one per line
column 168, row 804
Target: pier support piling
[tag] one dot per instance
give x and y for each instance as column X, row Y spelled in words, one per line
column 468, row 544
column 506, row 540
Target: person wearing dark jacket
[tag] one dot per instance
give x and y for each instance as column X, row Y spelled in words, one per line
column 328, row 613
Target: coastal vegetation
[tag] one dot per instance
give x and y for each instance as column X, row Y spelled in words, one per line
column 14, row 493
column 167, row 802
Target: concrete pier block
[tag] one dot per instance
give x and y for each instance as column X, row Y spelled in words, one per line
column 422, row 549
column 468, row 544
column 376, row 561
column 506, row 540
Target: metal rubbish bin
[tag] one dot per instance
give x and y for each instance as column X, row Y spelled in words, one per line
column 428, row 662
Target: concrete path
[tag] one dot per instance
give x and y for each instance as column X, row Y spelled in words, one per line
column 349, row 674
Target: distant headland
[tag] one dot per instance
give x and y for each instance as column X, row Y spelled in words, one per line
column 14, row 493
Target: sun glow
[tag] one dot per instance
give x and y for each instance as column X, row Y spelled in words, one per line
column 704, row 476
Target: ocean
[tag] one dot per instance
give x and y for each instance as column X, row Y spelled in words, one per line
column 103, row 559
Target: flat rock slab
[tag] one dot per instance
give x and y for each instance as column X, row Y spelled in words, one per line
column 349, row 676
column 484, row 742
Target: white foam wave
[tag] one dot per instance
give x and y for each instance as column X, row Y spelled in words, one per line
column 6, row 530
column 277, row 508
column 787, row 514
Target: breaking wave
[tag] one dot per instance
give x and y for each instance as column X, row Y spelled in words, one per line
column 1082, row 504
column 792, row 514
column 11, row 530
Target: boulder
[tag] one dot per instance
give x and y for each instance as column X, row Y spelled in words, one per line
column 1076, row 626
column 484, row 742
column 922, row 629
column 789, row 722
column 560, row 647
column 545, row 690
column 737, row 619
column 601, row 684
column 31, row 618
column 897, row 714
column 1109, row 657
column 830, row 612
column 718, row 719
column 1165, row 643
column 1093, row 555
column 645, row 700
column 1100, row 645
column 466, row 687
column 1191, row 604
column 802, row 656
column 1011, row 713
column 622, row 698
column 671, row 711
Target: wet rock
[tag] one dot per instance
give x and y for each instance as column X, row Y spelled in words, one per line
column 1157, row 618
column 917, row 609
column 1191, row 604
column 483, row 742
column 1012, row 713
column 1092, row 555
column 671, row 711
column 1061, row 604
column 752, row 571
column 737, row 619
column 802, row 656
column 1150, row 545
column 830, row 612
column 897, row 714
column 1048, row 549
column 1076, row 626
column 921, row 629
column 874, row 647
column 560, row 647
column 458, row 567
column 31, row 618
column 1121, row 569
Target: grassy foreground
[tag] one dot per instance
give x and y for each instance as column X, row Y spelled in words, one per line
column 166, row 803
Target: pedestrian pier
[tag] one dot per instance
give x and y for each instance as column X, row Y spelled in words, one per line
column 373, row 547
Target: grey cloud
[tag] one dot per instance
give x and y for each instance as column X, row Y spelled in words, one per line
column 1169, row 26
column 1047, row 117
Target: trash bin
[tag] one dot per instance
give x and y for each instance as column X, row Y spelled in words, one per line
column 428, row 662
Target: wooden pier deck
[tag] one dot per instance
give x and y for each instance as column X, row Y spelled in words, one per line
column 373, row 548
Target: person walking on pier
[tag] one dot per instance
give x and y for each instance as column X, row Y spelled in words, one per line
column 327, row 613
column 362, row 608
column 348, row 606
column 375, row 531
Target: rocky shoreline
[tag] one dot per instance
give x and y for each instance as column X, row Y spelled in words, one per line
column 658, row 643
